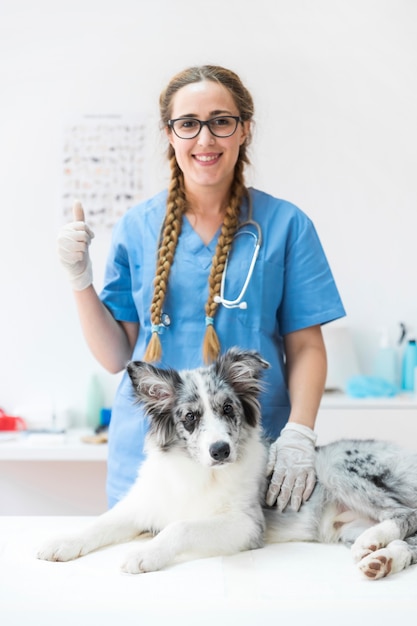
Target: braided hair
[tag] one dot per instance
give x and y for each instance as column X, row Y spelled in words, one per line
column 177, row 205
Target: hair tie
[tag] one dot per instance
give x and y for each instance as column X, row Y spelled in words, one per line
column 157, row 328
column 209, row 321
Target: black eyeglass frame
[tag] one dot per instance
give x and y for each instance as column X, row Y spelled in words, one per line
column 207, row 123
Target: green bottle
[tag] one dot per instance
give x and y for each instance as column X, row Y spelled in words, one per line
column 95, row 402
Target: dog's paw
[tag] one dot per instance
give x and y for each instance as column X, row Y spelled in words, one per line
column 362, row 549
column 61, row 549
column 373, row 539
column 377, row 564
column 145, row 559
column 390, row 560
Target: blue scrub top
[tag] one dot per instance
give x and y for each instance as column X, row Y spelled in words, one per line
column 291, row 288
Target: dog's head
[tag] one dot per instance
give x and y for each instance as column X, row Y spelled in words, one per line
column 208, row 411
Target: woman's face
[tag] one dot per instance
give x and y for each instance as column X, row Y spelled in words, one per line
column 206, row 161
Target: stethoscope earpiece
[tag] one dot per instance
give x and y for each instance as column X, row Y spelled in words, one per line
column 228, row 303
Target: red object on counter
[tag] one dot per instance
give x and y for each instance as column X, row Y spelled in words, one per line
column 11, row 422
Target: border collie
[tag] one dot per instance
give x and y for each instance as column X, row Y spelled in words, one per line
column 201, row 489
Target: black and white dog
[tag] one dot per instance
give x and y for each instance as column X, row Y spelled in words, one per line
column 202, row 486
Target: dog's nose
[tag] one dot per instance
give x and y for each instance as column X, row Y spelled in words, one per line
column 220, row 451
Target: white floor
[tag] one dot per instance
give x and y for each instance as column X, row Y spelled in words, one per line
column 280, row 584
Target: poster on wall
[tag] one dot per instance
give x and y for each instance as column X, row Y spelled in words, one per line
column 103, row 161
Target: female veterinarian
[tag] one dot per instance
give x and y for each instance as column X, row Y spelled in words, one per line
column 206, row 265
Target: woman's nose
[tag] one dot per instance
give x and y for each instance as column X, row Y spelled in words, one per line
column 205, row 137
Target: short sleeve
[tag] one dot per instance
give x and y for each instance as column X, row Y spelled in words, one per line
column 117, row 294
column 310, row 295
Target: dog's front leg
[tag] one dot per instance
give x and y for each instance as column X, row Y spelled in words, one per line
column 225, row 534
column 116, row 525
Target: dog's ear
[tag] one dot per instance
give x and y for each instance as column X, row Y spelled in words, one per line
column 242, row 369
column 156, row 388
column 153, row 386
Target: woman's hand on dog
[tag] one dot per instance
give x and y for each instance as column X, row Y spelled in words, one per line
column 291, row 467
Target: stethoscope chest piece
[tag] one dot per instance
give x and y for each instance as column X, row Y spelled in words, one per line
column 165, row 320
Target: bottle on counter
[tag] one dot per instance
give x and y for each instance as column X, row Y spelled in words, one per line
column 94, row 402
column 409, row 365
column 385, row 365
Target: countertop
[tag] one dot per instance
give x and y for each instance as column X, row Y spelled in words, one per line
column 279, row 584
column 68, row 446
column 339, row 400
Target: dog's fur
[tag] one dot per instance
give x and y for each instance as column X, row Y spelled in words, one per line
column 202, row 485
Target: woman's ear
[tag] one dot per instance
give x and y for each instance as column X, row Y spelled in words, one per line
column 246, row 131
column 169, row 135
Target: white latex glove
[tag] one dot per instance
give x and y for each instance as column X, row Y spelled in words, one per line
column 73, row 242
column 291, row 465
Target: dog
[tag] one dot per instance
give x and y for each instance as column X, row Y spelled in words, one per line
column 201, row 490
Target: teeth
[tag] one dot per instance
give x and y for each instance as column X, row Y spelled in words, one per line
column 205, row 158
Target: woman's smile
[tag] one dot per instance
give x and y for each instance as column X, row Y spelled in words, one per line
column 207, row 159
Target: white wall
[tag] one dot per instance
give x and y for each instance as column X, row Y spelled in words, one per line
column 334, row 83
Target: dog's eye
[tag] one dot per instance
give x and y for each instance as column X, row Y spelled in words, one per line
column 190, row 417
column 190, row 421
column 228, row 409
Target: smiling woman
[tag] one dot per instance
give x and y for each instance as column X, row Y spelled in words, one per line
column 211, row 236
column 208, row 159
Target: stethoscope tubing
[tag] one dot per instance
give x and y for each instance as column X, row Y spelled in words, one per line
column 238, row 302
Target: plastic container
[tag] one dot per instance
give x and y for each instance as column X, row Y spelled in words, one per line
column 94, row 402
column 409, row 365
column 11, row 422
column 385, row 365
column 105, row 416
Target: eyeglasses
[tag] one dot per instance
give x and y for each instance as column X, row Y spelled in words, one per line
column 190, row 127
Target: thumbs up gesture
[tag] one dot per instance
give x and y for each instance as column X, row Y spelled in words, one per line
column 73, row 243
column 78, row 212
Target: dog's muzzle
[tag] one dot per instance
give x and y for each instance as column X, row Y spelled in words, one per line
column 220, row 451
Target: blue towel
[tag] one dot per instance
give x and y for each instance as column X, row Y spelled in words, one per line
column 370, row 387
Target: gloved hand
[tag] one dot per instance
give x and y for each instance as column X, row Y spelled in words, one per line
column 73, row 242
column 291, row 465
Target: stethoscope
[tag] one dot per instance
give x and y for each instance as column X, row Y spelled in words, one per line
column 239, row 303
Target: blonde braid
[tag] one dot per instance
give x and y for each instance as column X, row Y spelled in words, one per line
column 211, row 344
column 171, row 232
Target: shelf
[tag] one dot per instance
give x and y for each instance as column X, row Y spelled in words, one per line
column 21, row 446
column 339, row 400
